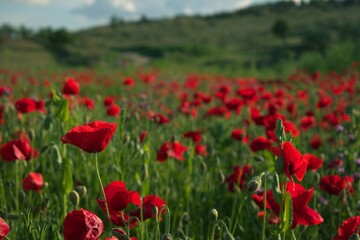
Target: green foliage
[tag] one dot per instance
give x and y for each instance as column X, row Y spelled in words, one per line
column 281, row 28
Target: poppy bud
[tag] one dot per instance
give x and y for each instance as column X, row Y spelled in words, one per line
column 258, row 158
column 74, row 198
column 12, row 216
column 119, row 233
column 355, row 236
column 213, row 214
column 221, row 177
column 255, row 183
column 357, row 206
column 21, row 196
column 155, row 211
column 185, row 218
column 31, row 134
column 167, row 237
column 81, row 190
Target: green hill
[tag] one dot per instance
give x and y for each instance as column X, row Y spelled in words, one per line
column 238, row 40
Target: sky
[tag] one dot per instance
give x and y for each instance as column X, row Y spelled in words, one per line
column 81, row 14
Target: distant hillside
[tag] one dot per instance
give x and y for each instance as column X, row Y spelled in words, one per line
column 241, row 39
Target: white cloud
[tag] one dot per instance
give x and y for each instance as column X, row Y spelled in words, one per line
column 127, row 5
column 133, row 9
column 33, row 2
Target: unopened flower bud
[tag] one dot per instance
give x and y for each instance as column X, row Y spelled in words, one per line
column 357, row 206
column 12, row 216
column 155, row 211
column 119, row 233
column 81, row 190
column 355, row 236
column 74, row 198
column 21, row 196
column 254, row 184
column 167, row 237
column 213, row 214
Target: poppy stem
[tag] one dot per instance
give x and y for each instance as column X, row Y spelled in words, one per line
column 102, row 186
column 238, row 214
column 264, row 219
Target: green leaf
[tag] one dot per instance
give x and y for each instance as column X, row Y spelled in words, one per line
column 276, row 189
column 279, row 131
column 67, row 181
column 63, row 111
column 288, row 213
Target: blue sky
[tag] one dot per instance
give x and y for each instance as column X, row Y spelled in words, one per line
column 79, row 14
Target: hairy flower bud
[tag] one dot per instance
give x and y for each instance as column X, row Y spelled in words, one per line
column 81, row 190
column 74, row 198
column 213, row 214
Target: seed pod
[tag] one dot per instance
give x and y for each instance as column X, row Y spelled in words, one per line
column 21, row 196
column 213, row 214
column 81, row 190
column 355, row 236
column 74, row 198
column 119, row 233
column 254, row 184
column 12, row 216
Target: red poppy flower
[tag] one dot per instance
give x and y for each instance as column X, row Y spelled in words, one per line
column 294, row 164
column 33, row 182
column 19, row 149
column 238, row 134
column 324, row 101
column 238, row 177
column 347, row 228
column 258, row 198
column 4, row 229
column 334, row 164
column 129, row 82
column 71, row 87
column 260, row 143
column 5, row 91
column 113, row 110
column 142, row 136
column 89, row 103
column 160, row 119
column 200, row 149
column 334, row 184
column 82, row 225
column 91, row 137
column 219, row 111
column 149, row 203
column 313, row 162
column 307, row 122
column 174, row 150
column 108, row 101
column 194, row 135
column 315, row 142
column 25, row 105
column 118, row 198
column 302, row 214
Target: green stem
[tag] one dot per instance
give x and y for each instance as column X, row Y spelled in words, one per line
column 102, row 186
column 264, row 219
column 238, row 214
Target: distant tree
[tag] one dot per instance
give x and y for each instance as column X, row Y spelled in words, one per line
column 54, row 38
column 60, row 38
column 7, row 32
column 25, row 32
column 316, row 39
column 144, row 19
column 115, row 21
column 281, row 28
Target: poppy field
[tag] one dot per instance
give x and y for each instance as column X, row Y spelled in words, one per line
column 149, row 155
